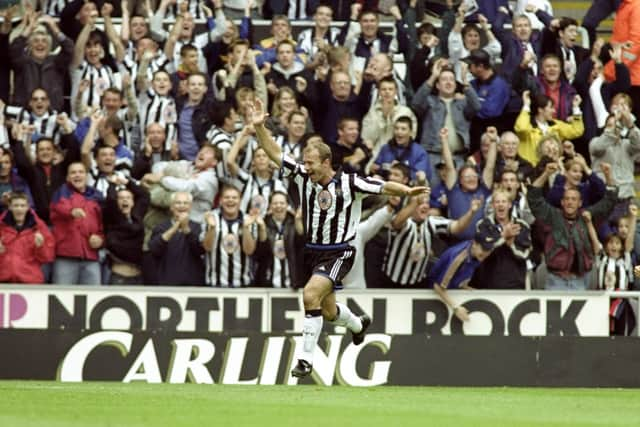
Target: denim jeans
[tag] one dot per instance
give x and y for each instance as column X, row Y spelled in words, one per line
column 557, row 283
column 68, row 271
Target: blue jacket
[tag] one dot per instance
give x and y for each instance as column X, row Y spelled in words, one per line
column 414, row 156
column 591, row 190
column 512, row 49
column 493, row 95
column 448, row 266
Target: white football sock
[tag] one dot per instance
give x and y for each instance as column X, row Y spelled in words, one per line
column 347, row 318
column 311, row 329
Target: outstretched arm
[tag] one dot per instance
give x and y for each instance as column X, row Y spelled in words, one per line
column 593, row 234
column 112, row 34
column 391, row 188
column 460, row 312
column 633, row 217
column 257, row 116
column 81, row 43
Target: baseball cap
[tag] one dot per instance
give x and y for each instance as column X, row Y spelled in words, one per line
column 478, row 57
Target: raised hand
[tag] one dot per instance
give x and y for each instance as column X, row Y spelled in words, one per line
column 551, row 168
column 568, row 149
column 476, row 204
column 207, row 10
column 576, row 101
column 301, row 84
column 356, row 8
column 616, row 53
column 597, row 47
column 183, row 7
column 126, row 80
column 96, row 117
column 444, row 134
column 61, row 119
column 256, row 113
column 106, row 10
column 210, row 220
column 492, row 133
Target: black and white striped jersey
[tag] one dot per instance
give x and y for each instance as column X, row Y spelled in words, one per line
column 199, row 42
column 193, row 8
column 293, row 150
column 100, row 79
column 615, row 274
column 306, row 40
column 100, row 181
column 279, row 274
column 45, row 125
column 154, row 108
column 408, row 249
column 223, row 140
column 256, row 191
column 128, row 132
column 227, row 265
column 54, row 7
column 159, row 62
column 331, row 212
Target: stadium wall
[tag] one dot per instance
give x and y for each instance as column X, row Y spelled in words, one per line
column 249, row 336
column 265, row 359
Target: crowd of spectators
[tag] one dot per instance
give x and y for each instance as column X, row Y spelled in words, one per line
column 127, row 155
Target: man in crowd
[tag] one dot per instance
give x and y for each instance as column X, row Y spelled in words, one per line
column 26, row 243
column 76, row 216
column 175, row 244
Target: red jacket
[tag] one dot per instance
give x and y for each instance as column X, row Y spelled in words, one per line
column 22, row 259
column 626, row 27
column 72, row 234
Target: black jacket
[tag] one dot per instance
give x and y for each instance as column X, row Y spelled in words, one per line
column 42, row 185
column 200, row 121
column 178, row 261
column 123, row 238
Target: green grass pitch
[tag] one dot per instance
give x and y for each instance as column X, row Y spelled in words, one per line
column 51, row 404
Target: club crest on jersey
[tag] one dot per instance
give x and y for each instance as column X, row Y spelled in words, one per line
column 230, row 243
column 170, row 115
column 417, row 252
column 101, row 85
column 325, row 200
